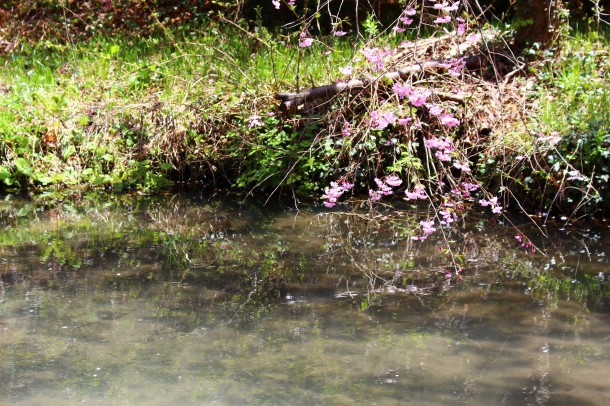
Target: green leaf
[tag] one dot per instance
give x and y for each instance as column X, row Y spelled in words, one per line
column 23, row 167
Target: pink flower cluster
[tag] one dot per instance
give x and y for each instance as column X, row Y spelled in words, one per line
column 335, row 191
column 384, row 187
column 465, row 189
column 376, row 56
column 493, row 203
column 454, row 66
column 444, row 148
column 405, row 20
column 447, row 214
column 345, row 131
column 525, row 244
column 381, row 120
column 417, row 97
column 254, row 121
column 575, row 175
column 417, row 193
column 427, row 227
column 304, row 40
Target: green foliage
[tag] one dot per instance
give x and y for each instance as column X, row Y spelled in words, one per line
column 574, row 105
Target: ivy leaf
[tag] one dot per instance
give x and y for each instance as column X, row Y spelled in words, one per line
column 23, row 167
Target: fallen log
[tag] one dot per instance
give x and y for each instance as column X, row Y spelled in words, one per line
column 290, row 100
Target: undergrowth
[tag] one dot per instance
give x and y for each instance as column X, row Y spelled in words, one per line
column 197, row 104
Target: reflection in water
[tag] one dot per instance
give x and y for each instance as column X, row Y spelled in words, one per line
column 184, row 301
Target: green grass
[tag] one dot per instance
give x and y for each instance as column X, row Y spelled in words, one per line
column 574, row 104
column 104, row 99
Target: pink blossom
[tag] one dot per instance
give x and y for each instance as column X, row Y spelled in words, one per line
column 347, row 70
column 575, row 175
column 404, row 121
column 334, row 192
column 376, row 56
column 418, row 97
column 473, row 37
column 393, row 180
column 449, row 120
column 345, row 131
column 443, row 156
column 435, row 109
column 427, row 227
column 443, row 20
column 444, row 144
column 291, row 3
column 417, row 193
column 471, row 187
column 461, row 29
column 493, row 202
column 383, row 188
column 381, row 120
column 276, row 4
column 448, row 217
column 340, row 33
column 439, row 6
column 399, row 29
column 406, row 20
column 402, row 90
column 304, row 41
column 462, row 166
column 410, row 11
column 374, row 195
column 254, row 121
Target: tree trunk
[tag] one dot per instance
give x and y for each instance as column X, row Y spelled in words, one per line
column 540, row 23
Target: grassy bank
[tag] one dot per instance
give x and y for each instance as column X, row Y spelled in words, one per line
column 122, row 113
column 196, row 104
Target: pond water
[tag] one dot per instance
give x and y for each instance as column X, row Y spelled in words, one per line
column 128, row 300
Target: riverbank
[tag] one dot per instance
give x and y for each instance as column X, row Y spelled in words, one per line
column 196, row 104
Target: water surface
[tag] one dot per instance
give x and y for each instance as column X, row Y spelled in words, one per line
column 185, row 300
